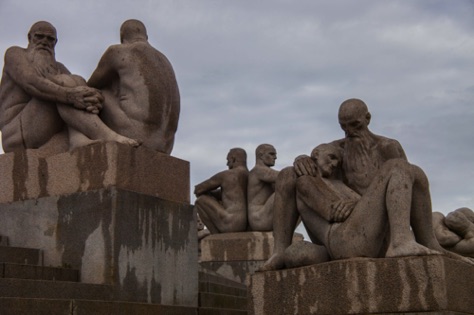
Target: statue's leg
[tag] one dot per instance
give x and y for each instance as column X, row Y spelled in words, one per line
column 285, row 217
column 32, row 127
column 88, row 124
column 219, row 219
column 409, row 205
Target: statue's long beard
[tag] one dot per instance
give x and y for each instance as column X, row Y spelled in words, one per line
column 357, row 154
column 44, row 62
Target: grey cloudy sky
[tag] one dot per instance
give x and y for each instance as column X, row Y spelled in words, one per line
column 275, row 71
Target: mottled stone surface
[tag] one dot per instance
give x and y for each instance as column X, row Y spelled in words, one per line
column 433, row 284
column 145, row 246
column 235, row 255
column 28, row 174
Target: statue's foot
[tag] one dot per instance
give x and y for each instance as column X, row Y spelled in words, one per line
column 410, row 248
column 82, row 142
column 275, row 262
column 128, row 141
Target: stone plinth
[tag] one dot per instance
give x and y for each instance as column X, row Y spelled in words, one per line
column 29, row 174
column 118, row 214
column 235, row 255
column 411, row 285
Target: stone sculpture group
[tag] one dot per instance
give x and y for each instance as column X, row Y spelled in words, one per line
column 357, row 196
column 132, row 97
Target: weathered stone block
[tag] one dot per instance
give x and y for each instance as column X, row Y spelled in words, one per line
column 432, row 284
column 235, row 255
column 143, row 245
column 29, row 174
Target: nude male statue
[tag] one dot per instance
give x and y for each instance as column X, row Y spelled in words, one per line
column 139, row 86
column 222, row 199
column 372, row 165
column 261, row 189
column 39, row 98
column 455, row 232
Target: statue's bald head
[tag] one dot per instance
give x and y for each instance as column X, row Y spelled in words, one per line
column 354, row 117
column 42, row 27
column 132, row 30
column 353, row 108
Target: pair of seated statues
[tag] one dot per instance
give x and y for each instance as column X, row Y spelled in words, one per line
column 236, row 200
column 357, row 197
column 132, row 97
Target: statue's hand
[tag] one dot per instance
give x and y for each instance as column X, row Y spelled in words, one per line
column 342, row 209
column 304, row 165
column 86, row 98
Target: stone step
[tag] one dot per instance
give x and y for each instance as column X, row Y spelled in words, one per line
column 219, row 311
column 20, row 255
column 44, row 289
column 210, row 287
column 18, row 271
column 211, row 276
column 15, row 306
column 222, row 301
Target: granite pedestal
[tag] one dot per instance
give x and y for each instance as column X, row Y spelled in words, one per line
column 411, row 285
column 120, row 215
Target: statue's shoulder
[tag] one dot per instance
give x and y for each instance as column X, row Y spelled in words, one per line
column 387, row 142
column 14, row 51
column 390, row 148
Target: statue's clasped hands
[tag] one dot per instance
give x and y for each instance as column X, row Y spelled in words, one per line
column 88, row 99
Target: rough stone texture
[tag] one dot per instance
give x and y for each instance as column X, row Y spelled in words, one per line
column 234, row 270
column 28, row 174
column 238, row 246
column 144, row 245
column 432, row 284
column 235, row 255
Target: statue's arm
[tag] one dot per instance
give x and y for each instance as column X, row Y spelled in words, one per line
column 208, row 185
column 267, row 174
column 20, row 70
column 105, row 71
column 23, row 73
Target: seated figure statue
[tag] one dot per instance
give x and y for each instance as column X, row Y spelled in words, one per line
column 261, row 189
column 139, row 86
column 379, row 188
column 40, row 99
column 455, row 232
column 222, row 199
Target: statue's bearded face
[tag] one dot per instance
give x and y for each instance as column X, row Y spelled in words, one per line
column 41, row 41
column 43, row 37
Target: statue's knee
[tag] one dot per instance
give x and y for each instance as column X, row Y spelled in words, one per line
column 467, row 212
column 286, row 179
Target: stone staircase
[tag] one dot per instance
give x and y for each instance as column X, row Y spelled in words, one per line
column 221, row 296
column 27, row 287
